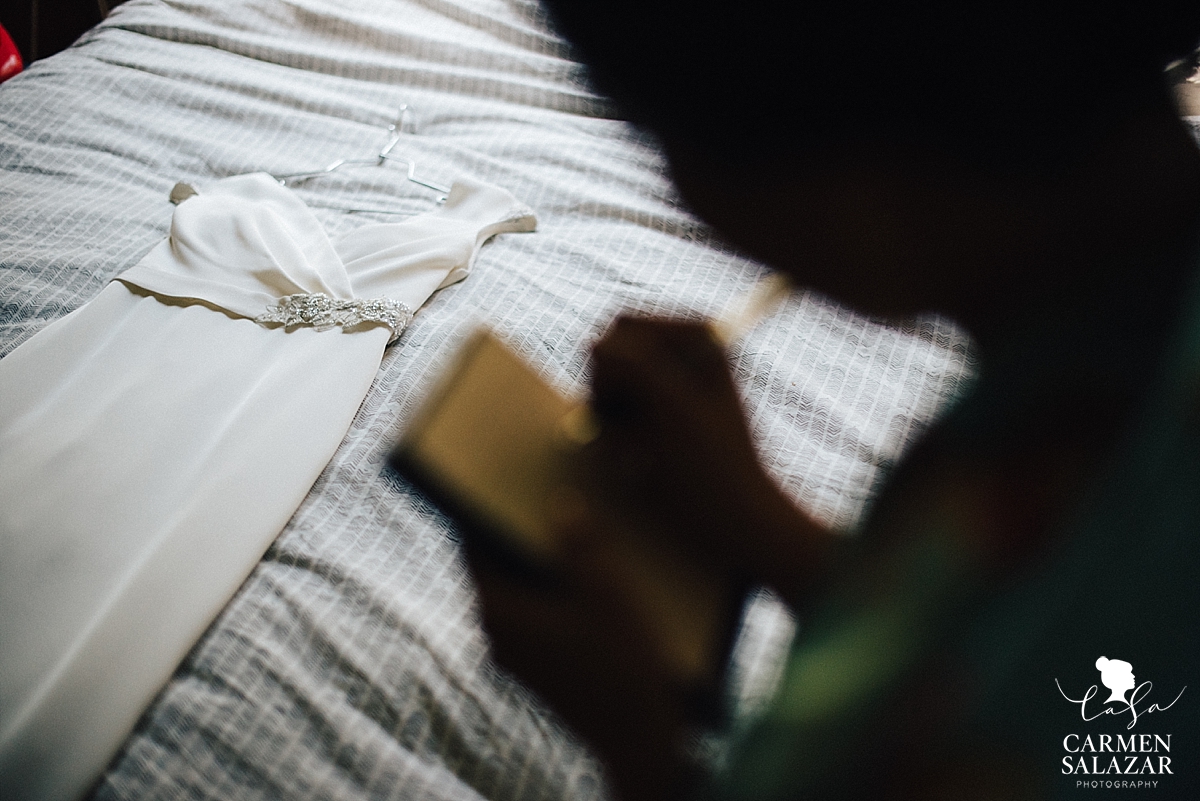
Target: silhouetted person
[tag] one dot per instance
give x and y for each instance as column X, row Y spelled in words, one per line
column 1020, row 167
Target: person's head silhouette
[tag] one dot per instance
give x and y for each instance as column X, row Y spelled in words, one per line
column 1116, row 675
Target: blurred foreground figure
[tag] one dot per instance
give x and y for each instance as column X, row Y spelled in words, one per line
column 1021, row 168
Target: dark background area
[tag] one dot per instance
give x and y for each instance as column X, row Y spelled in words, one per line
column 41, row 28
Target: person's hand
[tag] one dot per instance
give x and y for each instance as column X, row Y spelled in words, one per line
column 672, row 496
column 673, row 446
column 674, row 449
column 603, row 645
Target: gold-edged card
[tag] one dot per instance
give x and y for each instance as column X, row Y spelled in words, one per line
column 488, row 447
column 495, row 447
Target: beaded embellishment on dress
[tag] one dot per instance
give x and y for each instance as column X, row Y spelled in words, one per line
column 323, row 312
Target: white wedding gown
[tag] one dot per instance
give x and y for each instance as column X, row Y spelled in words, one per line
column 155, row 441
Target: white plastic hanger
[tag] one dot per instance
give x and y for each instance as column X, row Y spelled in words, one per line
column 396, row 132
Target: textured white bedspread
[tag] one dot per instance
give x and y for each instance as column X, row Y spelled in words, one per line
column 350, row 664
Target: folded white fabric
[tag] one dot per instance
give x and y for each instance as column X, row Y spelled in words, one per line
column 155, row 441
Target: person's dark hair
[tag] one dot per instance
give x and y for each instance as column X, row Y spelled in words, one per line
column 999, row 82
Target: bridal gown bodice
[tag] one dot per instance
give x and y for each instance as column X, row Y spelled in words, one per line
column 156, row 440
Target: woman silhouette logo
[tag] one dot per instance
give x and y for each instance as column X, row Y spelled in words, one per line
column 1116, row 675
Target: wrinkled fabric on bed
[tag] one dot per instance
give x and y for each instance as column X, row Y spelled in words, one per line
column 350, row 664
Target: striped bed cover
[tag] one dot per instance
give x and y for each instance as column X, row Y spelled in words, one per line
column 351, row 665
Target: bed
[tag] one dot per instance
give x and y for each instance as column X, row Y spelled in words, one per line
column 350, row 662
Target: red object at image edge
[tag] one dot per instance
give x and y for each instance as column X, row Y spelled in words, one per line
column 10, row 58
